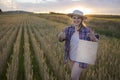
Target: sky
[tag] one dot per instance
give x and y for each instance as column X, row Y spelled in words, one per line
column 111, row 7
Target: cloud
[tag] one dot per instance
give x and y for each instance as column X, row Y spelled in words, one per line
column 8, row 5
column 40, row 7
column 96, row 6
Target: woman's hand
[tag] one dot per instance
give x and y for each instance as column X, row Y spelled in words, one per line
column 61, row 36
column 92, row 36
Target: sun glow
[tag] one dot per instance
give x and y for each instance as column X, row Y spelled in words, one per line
column 84, row 10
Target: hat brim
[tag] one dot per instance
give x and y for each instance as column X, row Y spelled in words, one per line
column 70, row 15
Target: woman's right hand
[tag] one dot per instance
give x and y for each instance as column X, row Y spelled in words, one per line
column 61, row 36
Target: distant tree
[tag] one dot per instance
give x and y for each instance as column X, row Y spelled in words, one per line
column 0, row 11
column 52, row 12
column 56, row 13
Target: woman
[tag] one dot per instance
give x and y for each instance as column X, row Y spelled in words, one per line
column 71, row 36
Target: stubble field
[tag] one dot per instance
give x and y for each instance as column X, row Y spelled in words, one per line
column 29, row 49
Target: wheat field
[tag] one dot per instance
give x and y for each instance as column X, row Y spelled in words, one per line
column 29, row 49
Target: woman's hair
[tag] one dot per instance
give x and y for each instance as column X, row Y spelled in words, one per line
column 82, row 23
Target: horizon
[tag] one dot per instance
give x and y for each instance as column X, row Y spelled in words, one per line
column 57, row 13
column 104, row 7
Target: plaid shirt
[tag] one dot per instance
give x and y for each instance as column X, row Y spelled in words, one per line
column 83, row 34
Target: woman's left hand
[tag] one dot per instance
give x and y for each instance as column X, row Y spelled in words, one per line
column 92, row 35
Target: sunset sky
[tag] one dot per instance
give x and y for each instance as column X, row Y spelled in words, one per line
column 63, row 6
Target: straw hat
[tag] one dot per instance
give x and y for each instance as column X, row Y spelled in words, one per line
column 77, row 12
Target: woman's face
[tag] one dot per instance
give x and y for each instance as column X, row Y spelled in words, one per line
column 76, row 20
